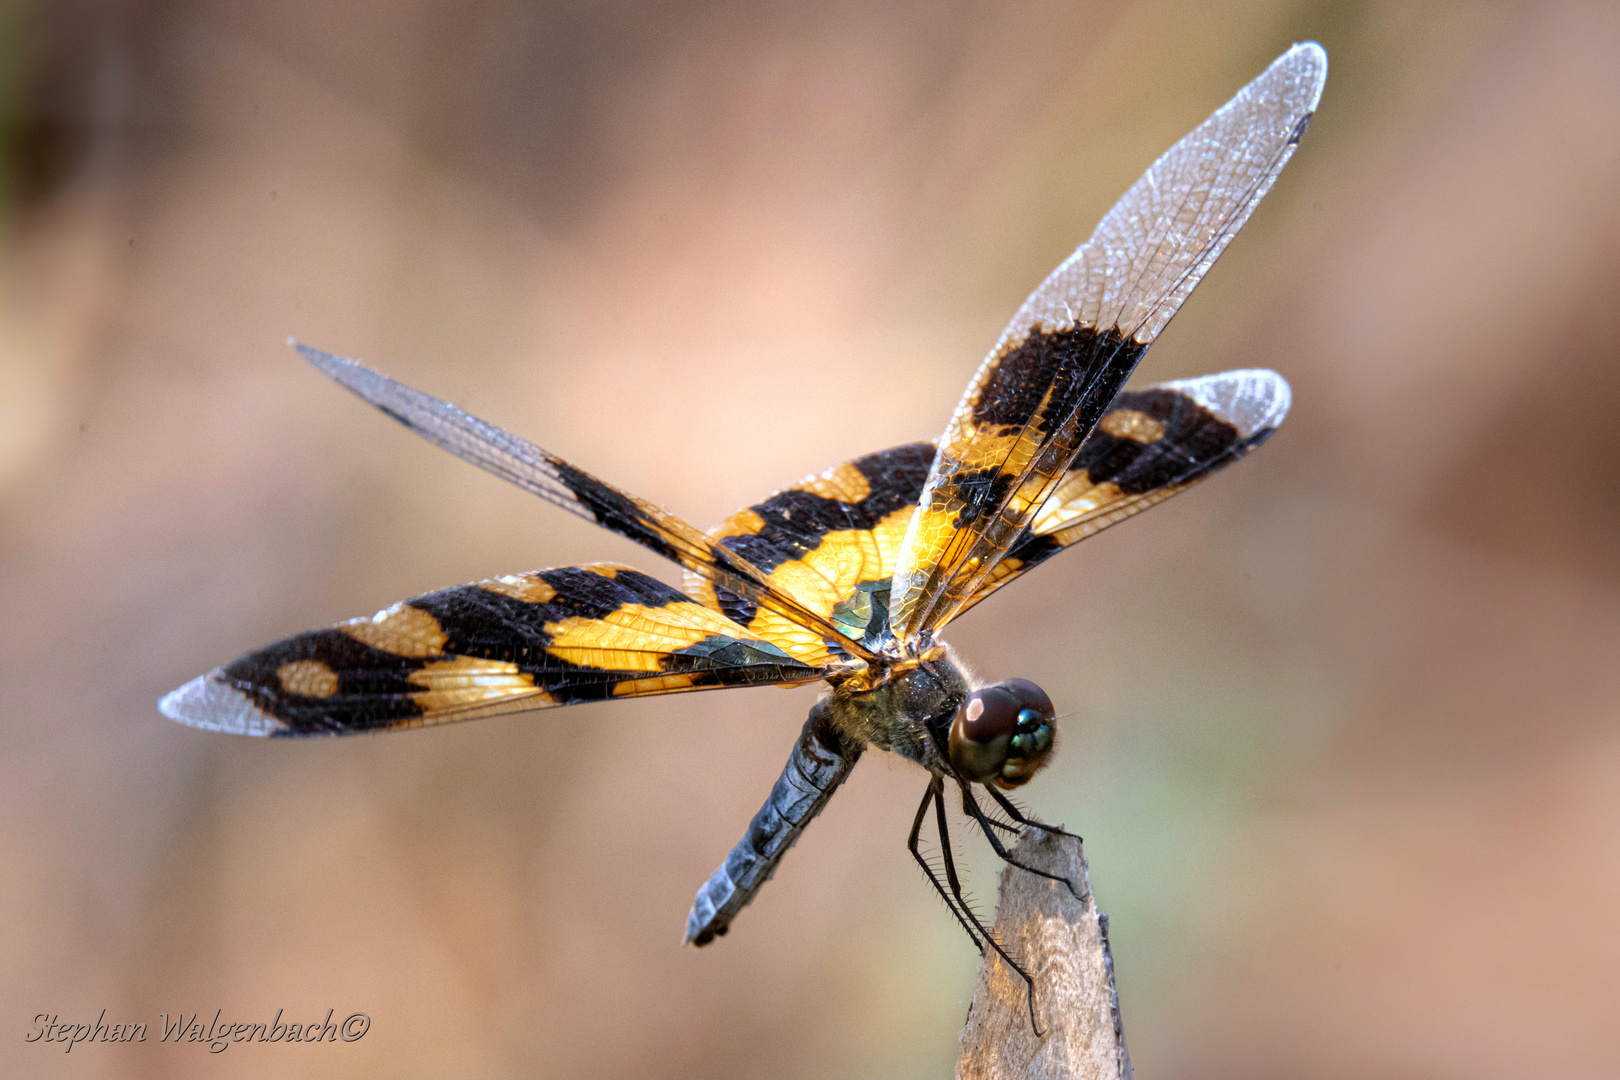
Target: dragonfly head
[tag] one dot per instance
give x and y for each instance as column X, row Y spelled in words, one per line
column 1003, row 734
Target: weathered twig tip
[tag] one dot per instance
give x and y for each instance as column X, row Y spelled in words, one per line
column 1062, row 941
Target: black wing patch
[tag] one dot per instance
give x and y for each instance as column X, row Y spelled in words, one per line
column 1154, row 443
column 802, row 632
column 1069, row 349
column 530, row 641
column 832, row 539
column 830, row 542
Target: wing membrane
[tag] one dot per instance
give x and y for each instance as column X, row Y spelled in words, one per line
column 1071, row 346
column 531, row 641
column 1154, row 443
column 830, row 542
column 797, row 629
column 842, row 527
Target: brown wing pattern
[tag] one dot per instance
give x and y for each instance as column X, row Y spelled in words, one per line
column 1154, row 443
column 830, row 542
column 521, row 642
column 795, row 628
column 1074, row 342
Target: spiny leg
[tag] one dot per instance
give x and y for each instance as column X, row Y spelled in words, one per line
column 1018, row 815
column 933, row 877
column 1002, row 825
column 937, row 790
column 971, row 804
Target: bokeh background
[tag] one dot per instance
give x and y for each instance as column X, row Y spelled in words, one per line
column 1342, row 723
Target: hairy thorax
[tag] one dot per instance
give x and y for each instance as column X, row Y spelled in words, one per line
column 906, row 707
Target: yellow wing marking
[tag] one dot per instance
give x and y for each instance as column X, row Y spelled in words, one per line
column 529, row 587
column 858, row 514
column 1133, row 425
column 634, row 637
column 889, row 534
column 841, row 483
column 657, row 684
column 1071, row 528
column 402, row 630
column 801, row 644
column 309, row 678
column 1074, row 498
column 742, row 523
column 469, row 680
column 828, row 575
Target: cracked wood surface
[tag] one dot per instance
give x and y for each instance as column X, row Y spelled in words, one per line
column 1063, row 943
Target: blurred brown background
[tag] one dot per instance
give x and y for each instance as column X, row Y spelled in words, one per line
column 1343, row 738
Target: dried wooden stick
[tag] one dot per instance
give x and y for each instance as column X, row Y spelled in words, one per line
column 1063, row 943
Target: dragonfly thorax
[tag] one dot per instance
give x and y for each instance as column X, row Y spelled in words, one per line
column 928, row 712
column 907, row 709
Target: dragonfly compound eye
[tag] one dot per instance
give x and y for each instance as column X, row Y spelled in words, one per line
column 1002, row 734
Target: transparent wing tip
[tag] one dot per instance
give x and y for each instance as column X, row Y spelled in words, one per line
column 1308, row 52
column 370, row 386
column 1253, row 400
column 212, row 703
column 325, row 362
column 1307, row 63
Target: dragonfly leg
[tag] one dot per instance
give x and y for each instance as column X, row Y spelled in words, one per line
column 936, row 792
column 1018, row 815
column 933, row 876
column 985, row 824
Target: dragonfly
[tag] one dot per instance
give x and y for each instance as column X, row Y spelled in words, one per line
column 849, row 576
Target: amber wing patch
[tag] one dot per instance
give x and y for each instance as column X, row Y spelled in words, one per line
column 1010, row 441
column 1200, row 426
column 1069, row 348
column 530, row 641
column 307, row 678
column 570, row 488
column 830, row 541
